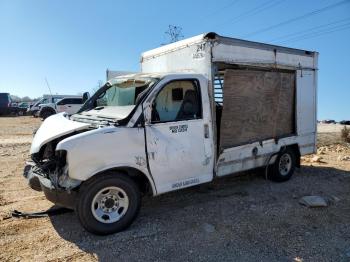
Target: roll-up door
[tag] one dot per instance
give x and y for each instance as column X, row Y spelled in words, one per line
column 257, row 105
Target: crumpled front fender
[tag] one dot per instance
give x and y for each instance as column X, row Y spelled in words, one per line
column 54, row 127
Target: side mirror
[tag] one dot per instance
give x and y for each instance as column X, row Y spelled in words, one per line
column 86, row 96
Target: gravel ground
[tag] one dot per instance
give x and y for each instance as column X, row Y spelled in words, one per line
column 237, row 218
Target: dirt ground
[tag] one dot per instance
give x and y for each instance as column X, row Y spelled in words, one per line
column 238, row 218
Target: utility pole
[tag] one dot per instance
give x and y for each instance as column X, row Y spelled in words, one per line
column 47, row 83
column 175, row 33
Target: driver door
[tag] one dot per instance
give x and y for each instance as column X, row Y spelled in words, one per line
column 178, row 143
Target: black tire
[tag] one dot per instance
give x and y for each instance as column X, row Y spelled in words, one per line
column 90, row 189
column 46, row 113
column 277, row 172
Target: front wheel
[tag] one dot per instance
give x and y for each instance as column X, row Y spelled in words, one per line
column 46, row 113
column 284, row 166
column 108, row 204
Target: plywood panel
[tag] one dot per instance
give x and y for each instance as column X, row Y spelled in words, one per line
column 257, row 105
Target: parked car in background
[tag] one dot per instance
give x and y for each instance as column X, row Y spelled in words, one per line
column 47, row 99
column 328, row 121
column 345, row 122
column 6, row 107
column 70, row 105
column 22, row 108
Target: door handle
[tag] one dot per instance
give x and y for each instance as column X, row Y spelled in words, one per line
column 206, row 131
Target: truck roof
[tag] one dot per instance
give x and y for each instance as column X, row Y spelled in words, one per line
column 148, row 75
column 214, row 37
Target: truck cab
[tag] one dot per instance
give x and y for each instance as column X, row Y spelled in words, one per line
column 152, row 133
column 178, row 122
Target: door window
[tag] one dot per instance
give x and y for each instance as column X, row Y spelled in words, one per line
column 43, row 101
column 178, row 100
column 56, row 99
column 76, row 101
column 70, row 101
column 62, row 102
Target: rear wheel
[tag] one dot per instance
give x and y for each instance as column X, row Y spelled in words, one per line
column 108, row 204
column 284, row 166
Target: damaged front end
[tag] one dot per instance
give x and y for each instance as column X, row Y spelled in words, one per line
column 48, row 172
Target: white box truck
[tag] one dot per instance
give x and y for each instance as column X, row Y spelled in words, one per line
column 201, row 108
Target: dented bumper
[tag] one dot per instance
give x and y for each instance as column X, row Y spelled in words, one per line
column 38, row 182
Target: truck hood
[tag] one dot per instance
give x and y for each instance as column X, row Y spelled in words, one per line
column 53, row 127
column 111, row 112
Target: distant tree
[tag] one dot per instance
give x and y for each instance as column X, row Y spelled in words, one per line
column 36, row 99
column 97, row 87
column 26, row 99
column 99, row 83
column 15, row 98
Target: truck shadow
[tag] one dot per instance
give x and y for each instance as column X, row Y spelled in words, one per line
column 182, row 213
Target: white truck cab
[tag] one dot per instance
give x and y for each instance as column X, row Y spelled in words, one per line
column 202, row 108
column 46, row 99
column 67, row 104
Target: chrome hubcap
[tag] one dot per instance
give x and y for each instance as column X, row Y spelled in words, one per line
column 285, row 164
column 110, row 204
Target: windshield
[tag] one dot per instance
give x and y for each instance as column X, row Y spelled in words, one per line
column 115, row 100
column 119, row 93
column 41, row 101
column 123, row 92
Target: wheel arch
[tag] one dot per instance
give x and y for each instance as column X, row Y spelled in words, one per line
column 296, row 150
column 46, row 108
column 144, row 182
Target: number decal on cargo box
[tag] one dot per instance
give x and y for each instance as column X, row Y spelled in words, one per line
column 200, row 51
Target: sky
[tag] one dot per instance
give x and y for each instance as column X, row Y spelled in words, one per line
column 72, row 43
